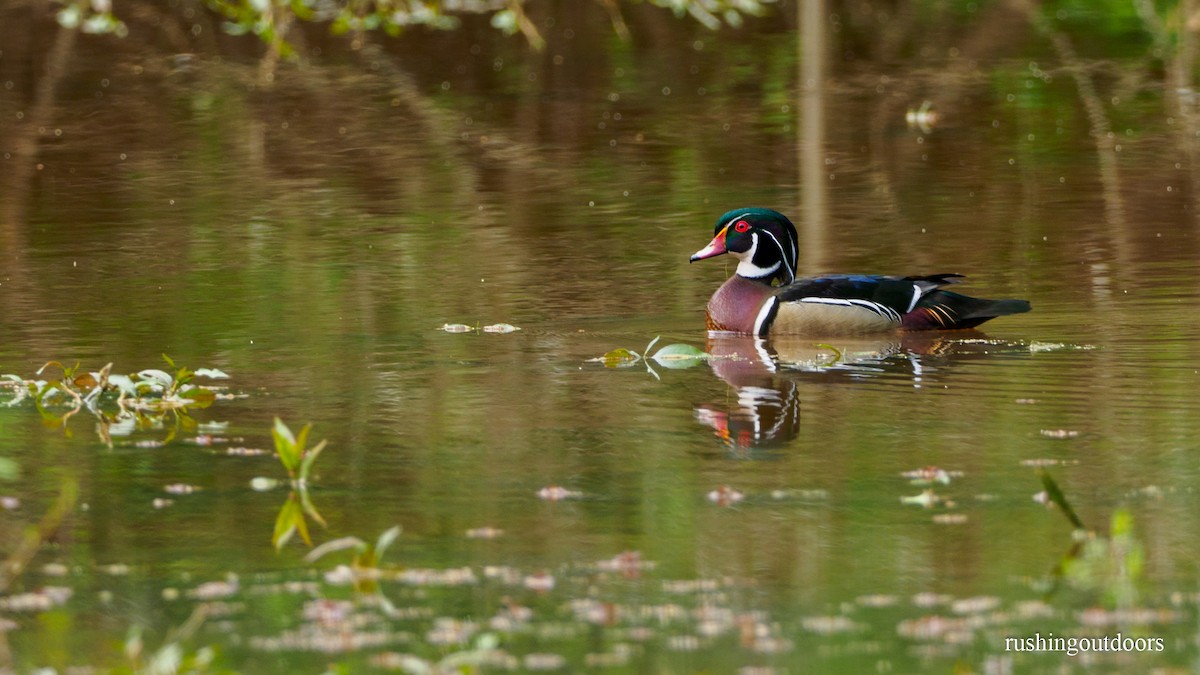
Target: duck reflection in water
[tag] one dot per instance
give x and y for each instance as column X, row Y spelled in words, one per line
column 766, row 376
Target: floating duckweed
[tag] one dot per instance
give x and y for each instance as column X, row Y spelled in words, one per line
column 950, row 518
column 772, row 645
column 931, row 474
column 683, row 643
column 55, row 570
column 628, row 563
column 1059, row 433
column 338, row 640
column 447, row 631
column 1046, row 461
column 926, row 499
column 263, row 484
column 41, row 600
column 690, row 585
column 828, row 625
column 459, row 576
column 554, row 493
column 505, row 575
column 928, row 599
column 544, row 661
column 976, row 605
column 500, row 328
column 245, row 452
column 214, row 590
column 725, row 496
column 180, row 489
column 539, row 581
column 877, row 600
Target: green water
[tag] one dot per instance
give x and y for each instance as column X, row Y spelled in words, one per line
column 312, row 239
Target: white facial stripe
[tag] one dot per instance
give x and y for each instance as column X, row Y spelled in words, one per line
column 787, row 265
column 731, row 221
column 746, row 267
column 751, row 271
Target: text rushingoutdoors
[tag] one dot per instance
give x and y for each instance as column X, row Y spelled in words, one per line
column 1075, row 645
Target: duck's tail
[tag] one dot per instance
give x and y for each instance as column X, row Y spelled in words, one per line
column 944, row 310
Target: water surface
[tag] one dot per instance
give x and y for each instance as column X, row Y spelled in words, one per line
column 311, row 240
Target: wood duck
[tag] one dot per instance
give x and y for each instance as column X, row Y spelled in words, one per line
column 765, row 298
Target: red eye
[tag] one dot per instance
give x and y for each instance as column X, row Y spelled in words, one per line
column 741, row 226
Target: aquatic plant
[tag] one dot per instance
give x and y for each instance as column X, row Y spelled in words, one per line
column 364, row 565
column 1109, row 566
column 293, row 451
column 672, row 356
column 366, row 556
column 170, row 657
column 463, row 661
column 297, row 458
column 59, row 391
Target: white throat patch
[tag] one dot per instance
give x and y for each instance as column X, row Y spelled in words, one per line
column 746, row 266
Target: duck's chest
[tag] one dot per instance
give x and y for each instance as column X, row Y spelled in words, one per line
column 736, row 305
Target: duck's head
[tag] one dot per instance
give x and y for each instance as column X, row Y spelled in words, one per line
column 762, row 240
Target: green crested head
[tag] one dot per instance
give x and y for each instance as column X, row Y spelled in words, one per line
column 763, row 240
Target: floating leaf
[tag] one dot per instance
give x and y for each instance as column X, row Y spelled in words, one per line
column 157, row 377
column 263, row 484
column 680, row 351
column 211, row 373
column 500, row 328
column 554, row 493
column 679, row 356
column 199, row 396
column 86, row 380
column 619, row 357
column 926, row 499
